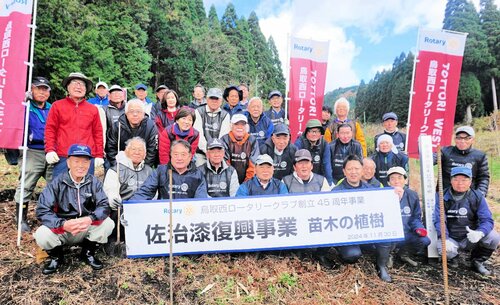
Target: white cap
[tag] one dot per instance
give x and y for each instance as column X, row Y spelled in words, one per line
column 238, row 118
column 101, row 84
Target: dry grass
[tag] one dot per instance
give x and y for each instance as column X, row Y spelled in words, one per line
column 274, row 278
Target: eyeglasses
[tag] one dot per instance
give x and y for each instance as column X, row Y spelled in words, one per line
column 463, row 138
column 314, row 131
column 76, row 82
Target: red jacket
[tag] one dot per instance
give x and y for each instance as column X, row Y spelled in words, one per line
column 172, row 133
column 71, row 123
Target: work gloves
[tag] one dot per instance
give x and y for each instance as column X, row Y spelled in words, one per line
column 115, row 203
column 52, row 157
column 98, row 162
column 474, row 235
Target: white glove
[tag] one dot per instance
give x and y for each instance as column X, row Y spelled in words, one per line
column 52, row 157
column 474, row 235
column 115, row 203
column 123, row 221
column 98, row 162
column 450, row 246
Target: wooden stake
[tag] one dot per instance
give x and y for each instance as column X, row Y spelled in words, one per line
column 118, row 223
column 442, row 227
column 170, row 257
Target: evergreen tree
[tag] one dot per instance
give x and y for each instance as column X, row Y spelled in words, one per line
column 276, row 65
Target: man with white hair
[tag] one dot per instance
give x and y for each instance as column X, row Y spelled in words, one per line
column 129, row 174
column 133, row 123
column 390, row 123
column 341, row 109
column 260, row 125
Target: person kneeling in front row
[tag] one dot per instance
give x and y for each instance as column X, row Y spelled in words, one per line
column 73, row 209
column 469, row 223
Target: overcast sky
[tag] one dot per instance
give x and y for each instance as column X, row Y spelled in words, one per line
column 365, row 36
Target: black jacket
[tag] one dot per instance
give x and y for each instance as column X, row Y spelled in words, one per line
column 473, row 158
column 283, row 164
column 146, row 130
column 62, row 200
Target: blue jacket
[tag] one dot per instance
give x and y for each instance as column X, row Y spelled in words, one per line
column 96, row 100
column 236, row 109
column 36, row 126
column 190, row 184
column 398, row 138
column 275, row 117
column 62, row 200
column 253, row 187
column 262, row 130
column 321, row 155
column 411, row 213
column 472, row 210
column 384, row 161
column 344, row 185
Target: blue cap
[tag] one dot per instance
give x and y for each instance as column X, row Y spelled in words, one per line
column 461, row 170
column 281, row 129
column 141, row 86
column 389, row 116
column 79, row 150
column 273, row 93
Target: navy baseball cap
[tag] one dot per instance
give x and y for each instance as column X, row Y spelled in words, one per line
column 141, row 86
column 273, row 93
column 79, row 150
column 461, row 170
column 40, row 82
column 281, row 129
column 389, row 116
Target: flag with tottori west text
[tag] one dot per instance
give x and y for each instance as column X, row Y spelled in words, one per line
column 308, row 61
column 435, row 88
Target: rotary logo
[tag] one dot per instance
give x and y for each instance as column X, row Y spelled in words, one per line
column 462, row 211
column 261, row 133
column 316, row 158
column 406, row 210
column 468, row 165
column 283, row 164
column 184, row 187
column 189, row 210
column 131, row 182
column 223, row 185
column 243, row 155
column 215, row 126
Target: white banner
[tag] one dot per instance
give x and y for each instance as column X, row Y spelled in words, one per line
column 442, row 41
column 263, row 222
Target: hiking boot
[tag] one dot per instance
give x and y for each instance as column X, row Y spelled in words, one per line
column 24, row 224
column 479, row 267
column 453, row 263
column 406, row 258
column 56, row 257
column 88, row 254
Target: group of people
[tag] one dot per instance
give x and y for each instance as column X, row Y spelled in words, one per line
column 213, row 149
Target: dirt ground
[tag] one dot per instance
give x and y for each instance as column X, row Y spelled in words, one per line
column 271, row 278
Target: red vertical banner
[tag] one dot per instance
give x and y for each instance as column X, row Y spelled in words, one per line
column 435, row 88
column 15, row 18
column 308, row 61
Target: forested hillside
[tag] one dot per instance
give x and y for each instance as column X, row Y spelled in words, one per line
column 390, row 90
column 171, row 42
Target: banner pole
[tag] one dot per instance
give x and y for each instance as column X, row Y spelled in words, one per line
column 442, row 226
column 287, row 99
column 26, row 123
column 412, row 92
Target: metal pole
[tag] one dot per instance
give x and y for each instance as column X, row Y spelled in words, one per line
column 442, row 227
column 287, row 71
column 118, row 229
column 412, row 92
column 26, row 121
column 171, row 233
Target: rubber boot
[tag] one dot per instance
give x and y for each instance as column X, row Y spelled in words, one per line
column 478, row 256
column 321, row 254
column 383, row 252
column 24, row 224
column 88, row 254
column 56, row 257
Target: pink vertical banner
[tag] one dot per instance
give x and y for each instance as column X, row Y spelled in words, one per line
column 435, row 87
column 308, row 61
column 15, row 18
